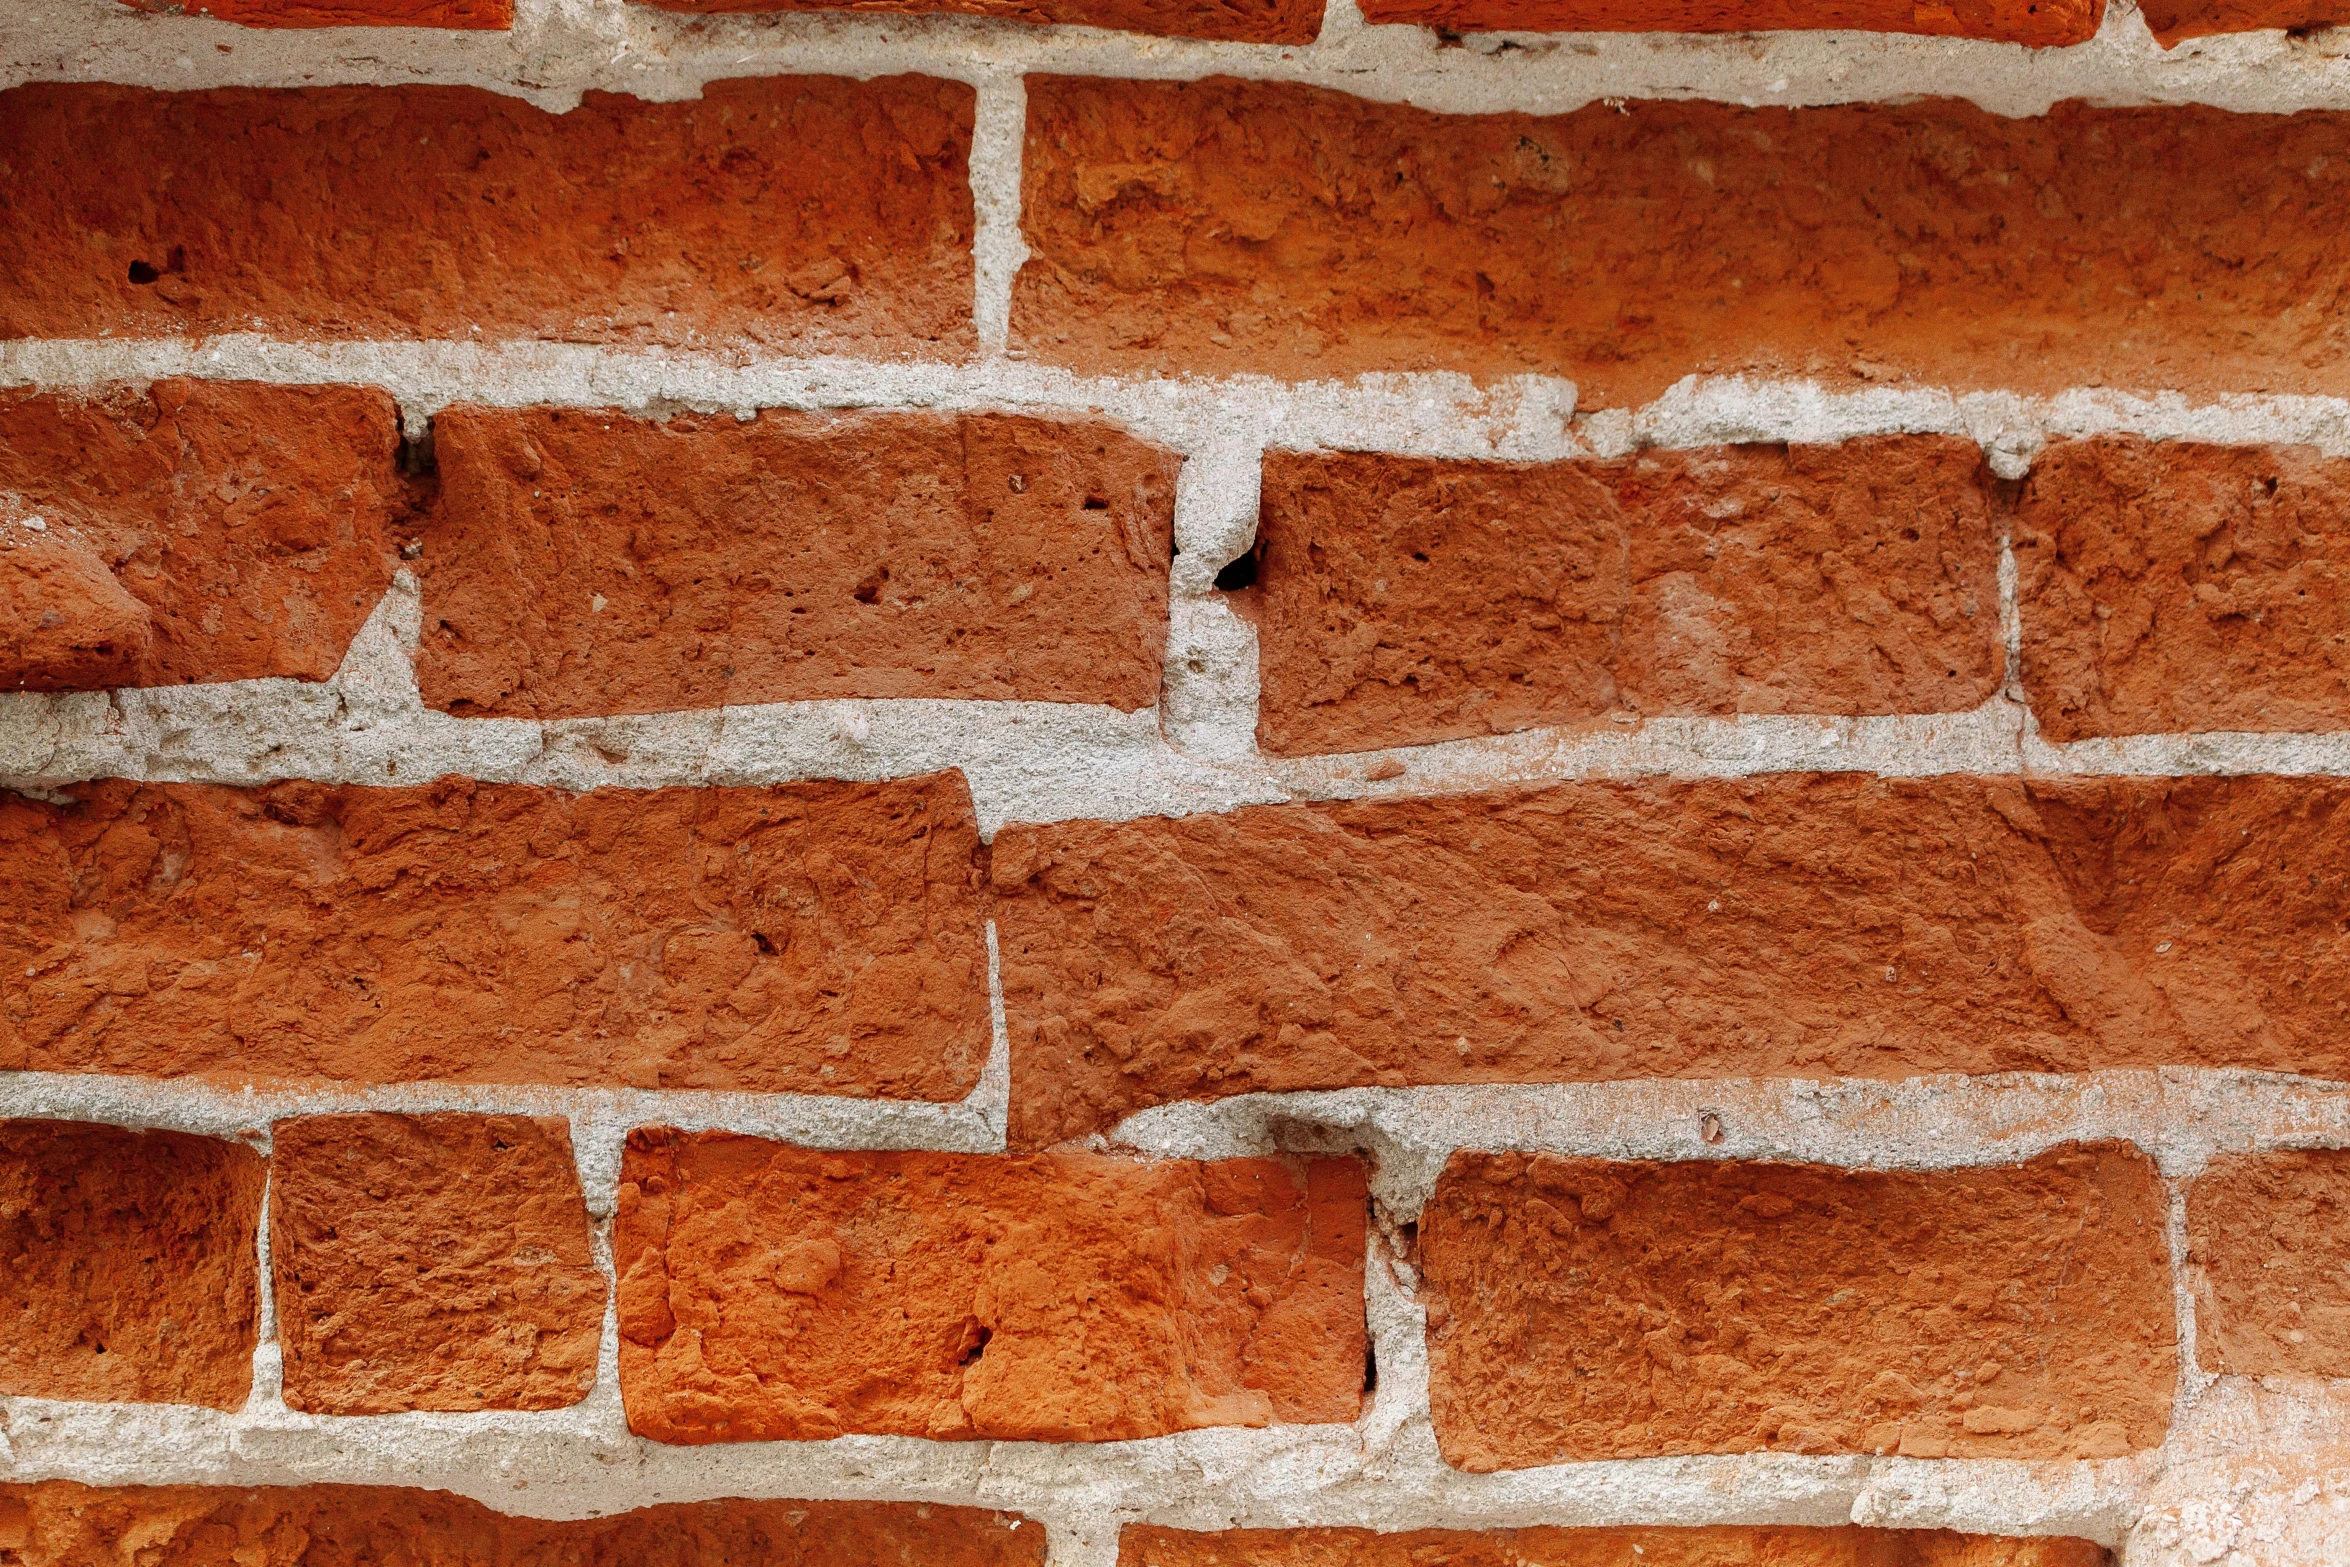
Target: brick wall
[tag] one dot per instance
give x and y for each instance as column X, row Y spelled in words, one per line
column 1174, row 784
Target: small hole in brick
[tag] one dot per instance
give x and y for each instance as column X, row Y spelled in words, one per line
column 1241, row 573
column 145, row 272
column 978, row 1349
column 765, row 946
column 1096, row 503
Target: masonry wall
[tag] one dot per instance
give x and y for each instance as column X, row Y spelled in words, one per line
column 1146, row 782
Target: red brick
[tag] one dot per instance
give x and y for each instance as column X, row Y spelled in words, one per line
column 1219, row 227
column 65, row 623
column 1239, row 21
column 586, row 562
column 1581, row 1309
column 127, row 1265
column 1407, row 599
column 2170, row 586
column 256, row 526
column 2268, row 1248
column 1808, row 925
column 778, row 1293
column 2040, row 23
column 804, row 213
column 1725, row 1545
column 813, row 938
column 431, row 1262
column 2177, row 20
column 478, row 14
column 308, row 1526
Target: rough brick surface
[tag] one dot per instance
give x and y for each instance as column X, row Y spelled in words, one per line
column 809, row 213
column 2174, row 586
column 65, row 623
column 1410, row 599
column 127, row 1268
column 257, row 525
column 1145, row 1545
column 1582, row 1309
column 1794, row 924
column 478, row 14
column 2176, row 20
column 2268, row 1248
column 2042, row 23
column 586, row 562
column 1224, row 226
column 61, row 1524
column 431, row 1262
column 813, row 938
column 770, row 1292
column 1239, row 21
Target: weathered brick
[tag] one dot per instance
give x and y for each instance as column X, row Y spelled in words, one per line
column 2169, row 586
column 2040, row 23
column 1788, row 925
column 1225, row 227
column 812, row 938
column 2268, row 1248
column 1146, row 1545
column 431, row 1262
column 770, row 1292
column 1582, row 1309
column 65, row 623
column 255, row 525
column 2177, row 20
column 587, row 562
column 809, row 213
column 59, row 1522
column 476, row 14
column 127, row 1264
column 1239, row 21
column 1409, row 599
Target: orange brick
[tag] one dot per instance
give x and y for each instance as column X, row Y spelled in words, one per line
column 1239, row 21
column 1581, row 1309
column 2268, row 1248
column 1228, row 227
column 1407, row 599
column 2041, row 23
column 127, row 1264
column 594, row 563
column 812, row 938
column 1143, row 1545
column 778, row 1293
column 431, row 1262
column 479, row 14
column 805, row 213
column 2174, row 21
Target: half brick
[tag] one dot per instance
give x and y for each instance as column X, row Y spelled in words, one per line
column 2039, row 23
column 589, row 562
column 813, row 938
column 128, row 1268
column 777, row 1293
column 1809, row 925
column 1146, row 1545
column 2268, row 1250
column 1581, row 1309
column 1236, row 21
column 808, row 213
column 1225, row 227
column 431, row 1262
column 1410, row 599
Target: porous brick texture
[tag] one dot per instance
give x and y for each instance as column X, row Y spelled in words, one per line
column 775, row 1292
column 819, row 938
column 342, row 13
column 1721, row 1546
column 2268, row 1238
column 2176, row 20
column 1409, row 600
column 127, row 1264
column 1788, row 925
column 1238, row 21
column 431, row 1262
column 807, row 212
column 1583, row 1309
column 2041, row 23
column 1276, row 228
column 586, row 562
column 61, row 1524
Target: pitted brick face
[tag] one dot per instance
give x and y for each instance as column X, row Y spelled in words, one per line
column 1580, row 1309
column 431, row 1262
column 1722, row 1545
column 1407, row 599
column 2268, row 1252
column 775, row 1293
column 59, row 1522
column 807, row 213
column 2041, row 23
column 588, row 562
column 817, row 938
column 127, row 1265
column 1237, row 21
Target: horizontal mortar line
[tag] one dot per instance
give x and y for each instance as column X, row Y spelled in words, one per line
column 555, row 53
column 1420, row 413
